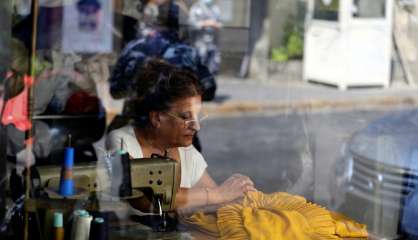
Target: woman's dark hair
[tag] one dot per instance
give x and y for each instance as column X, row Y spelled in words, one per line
column 158, row 85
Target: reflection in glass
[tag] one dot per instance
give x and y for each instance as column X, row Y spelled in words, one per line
column 369, row 8
column 326, row 10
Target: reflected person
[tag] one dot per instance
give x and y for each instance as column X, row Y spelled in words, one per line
column 205, row 20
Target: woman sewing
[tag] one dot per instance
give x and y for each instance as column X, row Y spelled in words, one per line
column 168, row 111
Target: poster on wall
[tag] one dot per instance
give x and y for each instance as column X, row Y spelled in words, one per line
column 87, row 27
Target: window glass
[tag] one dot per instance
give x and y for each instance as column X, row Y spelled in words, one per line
column 202, row 119
column 369, row 8
column 326, row 10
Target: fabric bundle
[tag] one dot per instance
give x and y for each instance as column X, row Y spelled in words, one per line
column 275, row 216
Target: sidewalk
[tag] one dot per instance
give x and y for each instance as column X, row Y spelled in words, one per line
column 244, row 96
column 235, row 96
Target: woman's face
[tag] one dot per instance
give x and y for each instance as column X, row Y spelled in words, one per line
column 178, row 124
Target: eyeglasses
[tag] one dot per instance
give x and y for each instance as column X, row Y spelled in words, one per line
column 189, row 122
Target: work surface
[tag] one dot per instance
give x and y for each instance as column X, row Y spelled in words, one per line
column 129, row 229
column 140, row 232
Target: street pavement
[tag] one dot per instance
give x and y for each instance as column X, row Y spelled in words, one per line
column 290, row 136
column 237, row 95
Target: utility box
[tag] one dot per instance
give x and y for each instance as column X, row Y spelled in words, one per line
column 348, row 42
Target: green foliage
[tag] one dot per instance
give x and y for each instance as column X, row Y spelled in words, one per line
column 292, row 45
column 279, row 54
column 295, row 45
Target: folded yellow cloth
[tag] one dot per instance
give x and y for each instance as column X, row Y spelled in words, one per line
column 279, row 216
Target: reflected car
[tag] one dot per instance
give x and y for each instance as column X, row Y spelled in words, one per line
column 381, row 174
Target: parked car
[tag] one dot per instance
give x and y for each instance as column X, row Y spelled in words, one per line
column 380, row 176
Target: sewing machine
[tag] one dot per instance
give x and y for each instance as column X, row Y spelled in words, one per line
column 150, row 177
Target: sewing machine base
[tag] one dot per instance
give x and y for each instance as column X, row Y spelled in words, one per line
column 163, row 223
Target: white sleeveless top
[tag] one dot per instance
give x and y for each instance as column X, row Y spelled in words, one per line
column 192, row 162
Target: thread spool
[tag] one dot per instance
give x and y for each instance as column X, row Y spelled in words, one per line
column 80, row 212
column 81, row 226
column 77, row 214
column 98, row 229
column 121, row 174
column 74, row 218
column 125, row 189
column 67, row 183
column 58, row 226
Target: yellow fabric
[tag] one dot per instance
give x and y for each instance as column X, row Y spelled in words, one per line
column 282, row 224
column 346, row 227
column 205, row 223
column 279, row 216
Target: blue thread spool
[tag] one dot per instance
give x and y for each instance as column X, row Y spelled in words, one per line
column 67, row 183
column 69, row 157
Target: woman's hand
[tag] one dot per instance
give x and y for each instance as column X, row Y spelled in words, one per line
column 233, row 188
